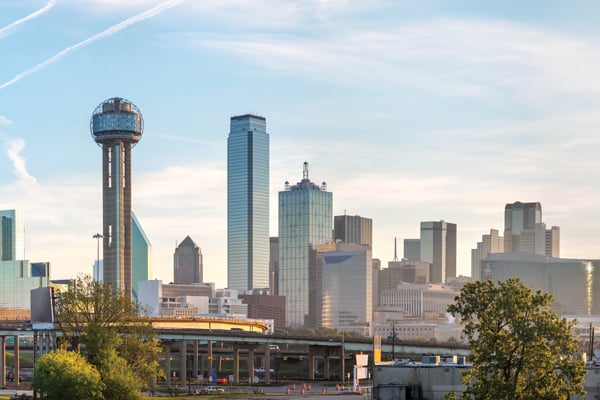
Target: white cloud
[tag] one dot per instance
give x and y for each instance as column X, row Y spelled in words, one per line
column 154, row 11
column 13, row 152
column 4, row 120
column 443, row 56
column 6, row 29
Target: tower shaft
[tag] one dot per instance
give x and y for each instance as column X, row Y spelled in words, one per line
column 116, row 216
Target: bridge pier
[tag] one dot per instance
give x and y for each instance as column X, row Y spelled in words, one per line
column 236, row 363
column 3, row 361
column 17, row 353
column 183, row 362
column 195, row 360
column 210, row 359
column 267, row 363
column 250, row 363
column 168, row 364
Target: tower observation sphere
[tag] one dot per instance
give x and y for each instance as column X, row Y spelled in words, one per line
column 116, row 126
column 117, row 119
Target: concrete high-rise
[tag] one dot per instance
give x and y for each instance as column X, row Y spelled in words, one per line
column 492, row 243
column 248, row 203
column 524, row 231
column 353, row 229
column 187, row 263
column 305, row 221
column 347, row 288
column 117, row 125
column 438, row 247
column 412, row 249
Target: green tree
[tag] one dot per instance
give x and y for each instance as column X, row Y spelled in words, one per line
column 66, row 375
column 520, row 348
column 108, row 325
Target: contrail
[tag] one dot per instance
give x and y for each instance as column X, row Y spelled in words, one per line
column 108, row 32
column 33, row 15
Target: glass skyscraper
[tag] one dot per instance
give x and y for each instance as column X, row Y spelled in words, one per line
column 305, row 221
column 17, row 275
column 12, row 235
column 248, row 203
column 141, row 255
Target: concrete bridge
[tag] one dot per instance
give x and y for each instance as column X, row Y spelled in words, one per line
column 205, row 341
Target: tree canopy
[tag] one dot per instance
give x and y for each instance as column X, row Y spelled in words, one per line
column 115, row 333
column 520, row 348
column 67, row 375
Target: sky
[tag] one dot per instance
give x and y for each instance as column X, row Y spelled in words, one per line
column 410, row 111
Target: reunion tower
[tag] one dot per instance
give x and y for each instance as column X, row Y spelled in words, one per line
column 117, row 125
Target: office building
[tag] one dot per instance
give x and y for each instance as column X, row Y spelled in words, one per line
column 438, row 247
column 175, row 300
column 571, row 282
column 347, row 288
column 274, row 265
column 18, row 276
column 116, row 126
column 187, row 263
column 141, row 255
column 353, row 229
column 553, row 242
column 412, row 249
column 305, row 221
column 490, row 243
column 265, row 306
column 12, row 235
column 248, row 203
column 525, row 232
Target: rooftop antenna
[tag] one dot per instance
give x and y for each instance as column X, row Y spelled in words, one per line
column 395, row 251
column 305, row 171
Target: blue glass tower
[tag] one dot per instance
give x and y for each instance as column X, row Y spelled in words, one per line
column 248, row 203
column 305, row 221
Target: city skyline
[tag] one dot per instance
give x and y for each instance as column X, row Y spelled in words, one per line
column 409, row 113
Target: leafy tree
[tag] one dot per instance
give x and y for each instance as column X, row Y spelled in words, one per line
column 108, row 325
column 67, row 375
column 520, row 348
column 121, row 383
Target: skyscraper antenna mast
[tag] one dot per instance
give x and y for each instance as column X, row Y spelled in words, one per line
column 395, row 251
column 305, row 171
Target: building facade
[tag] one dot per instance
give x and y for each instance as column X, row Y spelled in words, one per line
column 141, row 255
column 490, row 243
column 347, row 288
column 248, row 203
column 187, row 263
column 438, row 247
column 572, row 282
column 305, row 221
column 116, row 126
column 12, row 235
column 353, row 229
column 274, row 265
column 412, row 249
column 265, row 306
column 17, row 275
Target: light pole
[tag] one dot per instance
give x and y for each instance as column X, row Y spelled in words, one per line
column 98, row 236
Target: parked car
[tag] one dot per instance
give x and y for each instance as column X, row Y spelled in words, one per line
column 212, row 389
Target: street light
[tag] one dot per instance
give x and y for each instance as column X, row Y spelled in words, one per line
column 98, row 236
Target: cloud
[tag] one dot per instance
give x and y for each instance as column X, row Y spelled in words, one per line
column 6, row 29
column 13, row 152
column 4, row 120
column 106, row 33
column 442, row 56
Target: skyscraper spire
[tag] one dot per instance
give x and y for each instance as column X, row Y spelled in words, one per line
column 395, row 251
